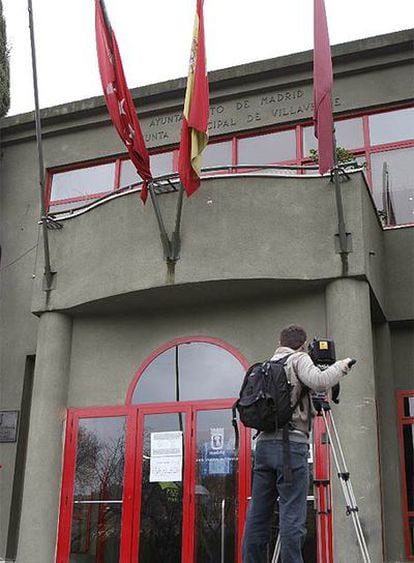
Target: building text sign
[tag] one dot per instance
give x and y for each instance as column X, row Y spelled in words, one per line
column 239, row 114
column 8, row 426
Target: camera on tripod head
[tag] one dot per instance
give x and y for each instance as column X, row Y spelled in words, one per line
column 322, row 353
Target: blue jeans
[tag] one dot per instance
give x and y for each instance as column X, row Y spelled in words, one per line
column 268, row 484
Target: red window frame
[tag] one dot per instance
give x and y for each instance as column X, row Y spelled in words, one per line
column 270, row 131
column 405, row 420
column 88, row 164
column 176, row 342
column 300, row 158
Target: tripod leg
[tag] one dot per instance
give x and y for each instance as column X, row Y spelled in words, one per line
column 342, row 457
column 276, row 553
column 318, row 520
column 343, row 474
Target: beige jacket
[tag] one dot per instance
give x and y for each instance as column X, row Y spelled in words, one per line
column 299, row 365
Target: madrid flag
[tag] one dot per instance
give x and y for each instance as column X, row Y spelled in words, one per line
column 118, row 98
column 194, row 137
column 322, row 89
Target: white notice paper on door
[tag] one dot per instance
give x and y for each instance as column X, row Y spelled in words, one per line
column 166, row 463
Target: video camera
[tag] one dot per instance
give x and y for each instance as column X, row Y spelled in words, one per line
column 322, row 353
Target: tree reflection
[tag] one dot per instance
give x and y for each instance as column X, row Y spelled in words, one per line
column 98, row 479
column 99, row 466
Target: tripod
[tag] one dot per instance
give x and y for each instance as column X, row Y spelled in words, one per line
column 323, row 409
column 276, row 553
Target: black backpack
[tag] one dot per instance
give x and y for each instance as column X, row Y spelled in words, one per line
column 264, row 402
column 264, row 399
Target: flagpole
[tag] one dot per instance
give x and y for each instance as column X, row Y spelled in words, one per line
column 342, row 234
column 166, row 245
column 176, row 242
column 105, row 15
column 48, row 274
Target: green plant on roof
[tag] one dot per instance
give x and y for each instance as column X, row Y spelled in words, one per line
column 343, row 156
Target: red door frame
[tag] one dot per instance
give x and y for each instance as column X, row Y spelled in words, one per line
column 133, row 471
column 68, row 478
column 131, row 508
column 136, row 522
column 190, row 408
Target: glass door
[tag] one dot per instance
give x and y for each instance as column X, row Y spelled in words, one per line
column 154, row 483
column 92, row 498
column 162, row 511
column 216, row 488
column 187, row 486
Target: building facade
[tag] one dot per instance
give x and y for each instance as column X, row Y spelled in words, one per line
column 117, row 383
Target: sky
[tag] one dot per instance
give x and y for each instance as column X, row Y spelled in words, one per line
column 154, row 38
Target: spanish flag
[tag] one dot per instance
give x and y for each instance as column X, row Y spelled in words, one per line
column 194, row 137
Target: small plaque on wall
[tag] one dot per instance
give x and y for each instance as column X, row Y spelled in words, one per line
column 9, row 421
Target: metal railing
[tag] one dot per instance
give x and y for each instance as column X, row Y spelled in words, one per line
column 168, row 183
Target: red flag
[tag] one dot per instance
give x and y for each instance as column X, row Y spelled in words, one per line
column 322, row 89
column 118, row 98
column 194, row 136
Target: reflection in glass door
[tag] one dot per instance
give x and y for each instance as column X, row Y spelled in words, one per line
column 215, row 488
column 187, row 485
column 162, row 488
column 98, row 491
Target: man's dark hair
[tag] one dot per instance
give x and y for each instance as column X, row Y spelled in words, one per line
column 293, row 337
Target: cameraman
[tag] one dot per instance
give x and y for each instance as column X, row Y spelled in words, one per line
column 268, row 474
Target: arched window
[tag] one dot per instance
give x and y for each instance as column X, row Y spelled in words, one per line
column 189, row 369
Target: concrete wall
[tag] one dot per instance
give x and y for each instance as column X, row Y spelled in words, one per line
column 399, row 268
column 402, row 340
column 108, row 350
column 349, row 323
column 282, row 227
column 374, row 248
column 386, row 374
column 44, row 457
column 19, row 213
